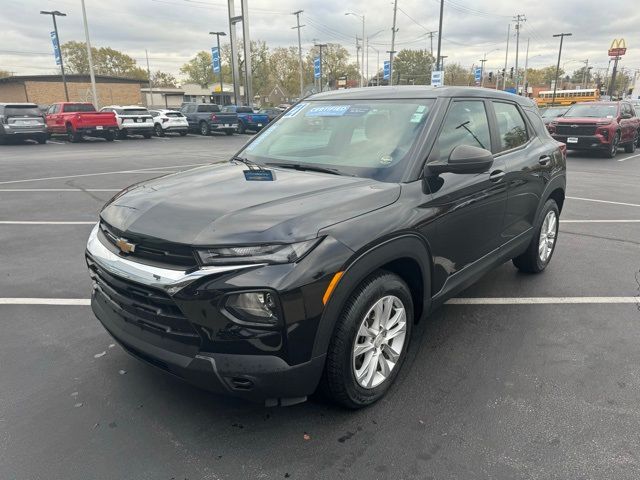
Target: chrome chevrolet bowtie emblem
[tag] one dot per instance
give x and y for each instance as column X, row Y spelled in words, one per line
column 125, row 246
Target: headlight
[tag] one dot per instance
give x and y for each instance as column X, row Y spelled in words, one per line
column 272, row 254
column 256, row 308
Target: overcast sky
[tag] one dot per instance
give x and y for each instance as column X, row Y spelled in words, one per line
column 174, row 30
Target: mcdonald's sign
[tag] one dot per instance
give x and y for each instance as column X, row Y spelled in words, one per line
column 618, row 47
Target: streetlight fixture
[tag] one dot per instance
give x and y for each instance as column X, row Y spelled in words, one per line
column 54, row 14
column 218, row 35
column 364, row 46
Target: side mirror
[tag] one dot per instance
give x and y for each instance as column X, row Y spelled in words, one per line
column 463, row 159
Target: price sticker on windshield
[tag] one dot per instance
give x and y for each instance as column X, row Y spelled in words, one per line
column 328, row 111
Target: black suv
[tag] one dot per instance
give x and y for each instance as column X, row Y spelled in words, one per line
column 307, row 258
column 22, row 121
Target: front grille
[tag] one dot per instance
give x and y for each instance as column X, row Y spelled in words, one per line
column 569, row 130
column 149, row 308
column 165, row 254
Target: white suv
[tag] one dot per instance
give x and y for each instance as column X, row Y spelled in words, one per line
column 166, row 121
column 132, row 120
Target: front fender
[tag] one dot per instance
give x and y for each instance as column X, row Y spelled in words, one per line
column 360, row 266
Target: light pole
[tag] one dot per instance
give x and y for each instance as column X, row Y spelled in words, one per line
column 364, row 46
column 218, row 35
column 555, row 84
column 54, row 14
column 298, row 27
column 483, row 61
column 90, row 58
column 369, row 38
column 377, row 64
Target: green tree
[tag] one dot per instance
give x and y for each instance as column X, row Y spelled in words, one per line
column 542, row 77
column 163, row 80
column 285, row 70
column 198, row 70
column 335, row 63
column 413, row 67
column 106, row 61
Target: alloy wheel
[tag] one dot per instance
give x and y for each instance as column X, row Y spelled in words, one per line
column 379, row 342
column 548, row 233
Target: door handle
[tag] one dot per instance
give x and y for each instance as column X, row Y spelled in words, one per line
column 544, row 160
column 496, row 175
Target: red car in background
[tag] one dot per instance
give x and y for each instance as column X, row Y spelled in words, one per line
column 76, row 119
column 603, row 126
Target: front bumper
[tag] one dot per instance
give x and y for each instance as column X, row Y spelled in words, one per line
column 173, row 319
column 583, row 141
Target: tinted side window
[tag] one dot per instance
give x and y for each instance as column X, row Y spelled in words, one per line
column 511, row 126
column 465, row 124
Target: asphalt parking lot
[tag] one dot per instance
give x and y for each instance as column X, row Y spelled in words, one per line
column 522, row 377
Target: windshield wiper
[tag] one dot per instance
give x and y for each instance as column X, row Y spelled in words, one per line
column 303, row 167
column 247, row 162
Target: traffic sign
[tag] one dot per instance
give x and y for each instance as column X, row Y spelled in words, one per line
column 316, row 67
column 618, row 47
column 437, row 78
column 56, row 50
column 215, row 60
column 477, row 74
column 386, row 70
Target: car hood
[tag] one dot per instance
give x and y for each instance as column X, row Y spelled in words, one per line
column 216, row 205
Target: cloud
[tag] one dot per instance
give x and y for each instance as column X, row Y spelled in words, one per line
column 174, row 30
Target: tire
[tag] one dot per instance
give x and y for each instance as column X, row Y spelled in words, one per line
column 73, row 136
column 183, row 134
column 205, row 129
column 147, row 135
column 631, row 146
column 228, row 132
column 613, row 148
column 42, row 139
column 110, row 136
column 122, row 135
column 533, row 260
column 241, row 128
column 339, row 382
column 159, row 131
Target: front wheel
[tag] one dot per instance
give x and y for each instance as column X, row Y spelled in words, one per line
column 204, row 128
column 613, row 148
column 241, row 128
column 631, row 146
column 72, row 135
column 538, row 254
column 369, row 342
column 159, row 130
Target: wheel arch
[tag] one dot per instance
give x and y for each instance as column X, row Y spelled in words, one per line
column 408, row 256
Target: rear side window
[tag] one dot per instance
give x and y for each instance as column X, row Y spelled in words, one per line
column 22, row 111
column 244, row 110
column 512, row 128
column 208, row 108
column 78, row 107
column 135, row 111
column 174, row 114
column 465, row 124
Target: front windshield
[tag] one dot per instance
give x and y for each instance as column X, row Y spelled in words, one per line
column 365, row 138
column 593, row 110
column 552, row 112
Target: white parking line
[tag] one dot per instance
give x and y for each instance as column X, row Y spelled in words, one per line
column 139, row 170
column 599, row 221
column 604, row 201
column 453, row 301
column 628, row 158
column 60, row 189
column 540, row 300
column 10, row 222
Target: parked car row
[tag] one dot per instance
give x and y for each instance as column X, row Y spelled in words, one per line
column 75, row 120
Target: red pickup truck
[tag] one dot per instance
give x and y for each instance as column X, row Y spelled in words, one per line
column 598, row 126
column 76, row 119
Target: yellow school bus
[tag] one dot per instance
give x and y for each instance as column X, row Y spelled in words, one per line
column 567, row 97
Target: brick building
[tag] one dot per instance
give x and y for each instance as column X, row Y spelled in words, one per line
column 47, row 89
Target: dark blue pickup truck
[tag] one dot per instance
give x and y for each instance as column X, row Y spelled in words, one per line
column 209, row 117
column 247, row 119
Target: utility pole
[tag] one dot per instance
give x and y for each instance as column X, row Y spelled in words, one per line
column 298, row 27
column 438, row 66
column 54, row 14
column 358, row 60
column 526, row 66
column 555, row 84
column 482, row 61
column 518, row 18
column 321, row 46
column 218, row 35
column 584, row 73
column 506, row 58
column 612, row 83
column 431, row 34
column 393, row 41
column 248, row 74
column 90, row 58
column 233, row 42
column 146, row 52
